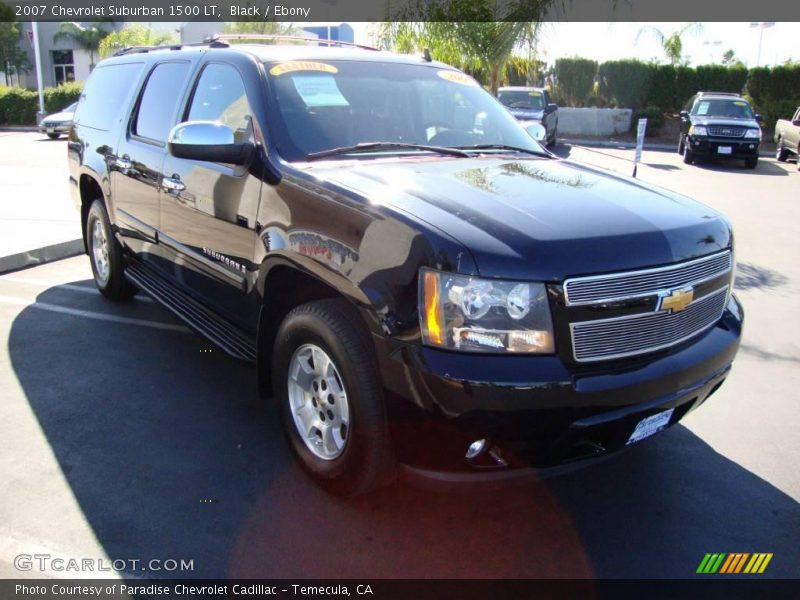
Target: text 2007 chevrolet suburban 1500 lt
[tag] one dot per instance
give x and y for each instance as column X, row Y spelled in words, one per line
column 417, row 281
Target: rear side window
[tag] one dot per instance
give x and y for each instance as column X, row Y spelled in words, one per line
column 159, row 100
column 220, row 96
column 106, row 95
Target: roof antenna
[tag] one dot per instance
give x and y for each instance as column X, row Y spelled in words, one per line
column 426, row 55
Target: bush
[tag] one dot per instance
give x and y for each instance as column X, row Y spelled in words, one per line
column 774, row 91
column 655, row 120
column 661, row 92
column 18, row 106
column 574, row 79
column 625, row 82
column 718, row 78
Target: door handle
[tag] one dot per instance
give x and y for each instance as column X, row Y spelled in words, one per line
column 124, row 163
column 173, row 184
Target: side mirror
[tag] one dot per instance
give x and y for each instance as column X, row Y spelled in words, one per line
column 796, row 122
column 552, row 106
column 758, row 117
column 208, row 141
column 684, row 114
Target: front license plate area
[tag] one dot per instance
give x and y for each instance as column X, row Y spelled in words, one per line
column 51, row 130
column 650, row 426
column 724, row 150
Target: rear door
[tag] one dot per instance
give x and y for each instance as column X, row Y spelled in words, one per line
column 136, row 168
column 208, row 216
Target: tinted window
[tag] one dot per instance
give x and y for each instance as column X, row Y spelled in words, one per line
column 106, row 95
column 732, row 109
column 161, row 94
column 341, row 103
column 522, row 99
column 220, row 96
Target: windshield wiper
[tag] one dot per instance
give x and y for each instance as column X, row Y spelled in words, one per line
column 479, row 147
column 368, row 146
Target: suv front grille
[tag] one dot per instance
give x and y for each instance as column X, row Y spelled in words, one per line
column 639, row 333
column 606, row 339
column 725, row 131
column 623, row 286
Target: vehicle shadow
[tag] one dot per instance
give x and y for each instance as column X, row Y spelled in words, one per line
column 749, row 276
column 169, row 456
column 764, row 167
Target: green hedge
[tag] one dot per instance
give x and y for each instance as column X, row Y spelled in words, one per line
column 774, row 91
column 625, row 83
column 18, row 106
column 574, row 80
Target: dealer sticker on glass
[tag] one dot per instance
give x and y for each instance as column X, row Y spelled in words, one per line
column 649, row 426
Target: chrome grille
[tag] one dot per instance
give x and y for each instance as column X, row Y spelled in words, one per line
column 725, row 131
column 606, row 339
column 622, row 286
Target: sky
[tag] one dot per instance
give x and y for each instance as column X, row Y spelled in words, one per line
column 609, row 41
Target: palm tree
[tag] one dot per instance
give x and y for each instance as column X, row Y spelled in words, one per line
column 86, row 37
column 465, row 35
column 673, row 43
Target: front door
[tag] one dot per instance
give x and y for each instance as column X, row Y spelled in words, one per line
column 208, row 210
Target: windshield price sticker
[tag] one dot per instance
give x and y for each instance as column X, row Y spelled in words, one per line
column 302, row 65
column 457, row 77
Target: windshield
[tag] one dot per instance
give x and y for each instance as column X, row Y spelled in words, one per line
column 325, row 105
column 522, row 99
column 732, row 109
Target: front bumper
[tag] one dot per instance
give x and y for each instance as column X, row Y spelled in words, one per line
column 54, row 128
column 709, row 146
column 539, row 411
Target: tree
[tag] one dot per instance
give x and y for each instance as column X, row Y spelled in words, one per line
column 134, row 35
column 469, row 34
column 673, row 43
column 87, row 38
column 12, row 58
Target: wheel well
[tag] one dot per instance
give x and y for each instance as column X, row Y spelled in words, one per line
column 284, row 289
column 90, row 191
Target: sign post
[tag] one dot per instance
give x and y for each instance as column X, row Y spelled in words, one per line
column 640, row 129
column 40, row 84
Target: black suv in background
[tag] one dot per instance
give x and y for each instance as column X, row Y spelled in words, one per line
column 414, row 278
column 719, row 125
column 532, row 104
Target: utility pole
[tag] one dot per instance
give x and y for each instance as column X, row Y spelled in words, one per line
column 762, row 26
column 39, row 83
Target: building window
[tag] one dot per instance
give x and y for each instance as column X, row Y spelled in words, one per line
column 63, row 66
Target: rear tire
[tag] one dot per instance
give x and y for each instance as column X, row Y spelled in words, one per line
column 681, row 144
column 751, row 162
column 781, row 153
column 105, row 256
column 326, row 379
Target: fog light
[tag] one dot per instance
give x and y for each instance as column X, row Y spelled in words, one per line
column 475, row 448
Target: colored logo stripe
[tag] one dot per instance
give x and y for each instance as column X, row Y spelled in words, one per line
column 734, row 562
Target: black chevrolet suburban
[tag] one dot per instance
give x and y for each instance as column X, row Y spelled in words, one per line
column 719, row 125
column 419, row 284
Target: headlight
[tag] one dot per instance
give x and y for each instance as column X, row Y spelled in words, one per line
column 698, row 130
column 484, row 315
column 753, row 134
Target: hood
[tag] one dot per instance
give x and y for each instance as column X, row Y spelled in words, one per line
column 59, row 117
column 540, row 219
column 725, row 121
column 527, row 113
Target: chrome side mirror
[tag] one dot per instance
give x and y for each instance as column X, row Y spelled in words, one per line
column 208, row 141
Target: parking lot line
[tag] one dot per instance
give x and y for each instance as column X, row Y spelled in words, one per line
column 64, row 286
column 92, row 315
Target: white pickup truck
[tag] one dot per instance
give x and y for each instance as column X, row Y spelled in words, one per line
column 787, row 137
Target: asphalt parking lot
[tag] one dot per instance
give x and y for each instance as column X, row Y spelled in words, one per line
column 126, row 436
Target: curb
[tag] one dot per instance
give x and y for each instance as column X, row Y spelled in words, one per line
column 40, row 256
column 632, row 146
column 18, row 128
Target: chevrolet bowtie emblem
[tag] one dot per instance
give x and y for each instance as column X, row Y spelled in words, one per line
column 676, row 300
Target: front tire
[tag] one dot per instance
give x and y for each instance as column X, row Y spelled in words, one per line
column 326, row 379
column 751, row 162
column 54, row 136
column 681, row 144
column 688, row 155
column 781, row 153
column 105, row 256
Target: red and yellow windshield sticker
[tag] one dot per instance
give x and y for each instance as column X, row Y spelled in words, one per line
column 302, row 65
column 457, row 77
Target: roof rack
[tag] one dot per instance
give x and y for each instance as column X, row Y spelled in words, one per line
column 144, row 49
column 718, row 94
column 289, row 38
